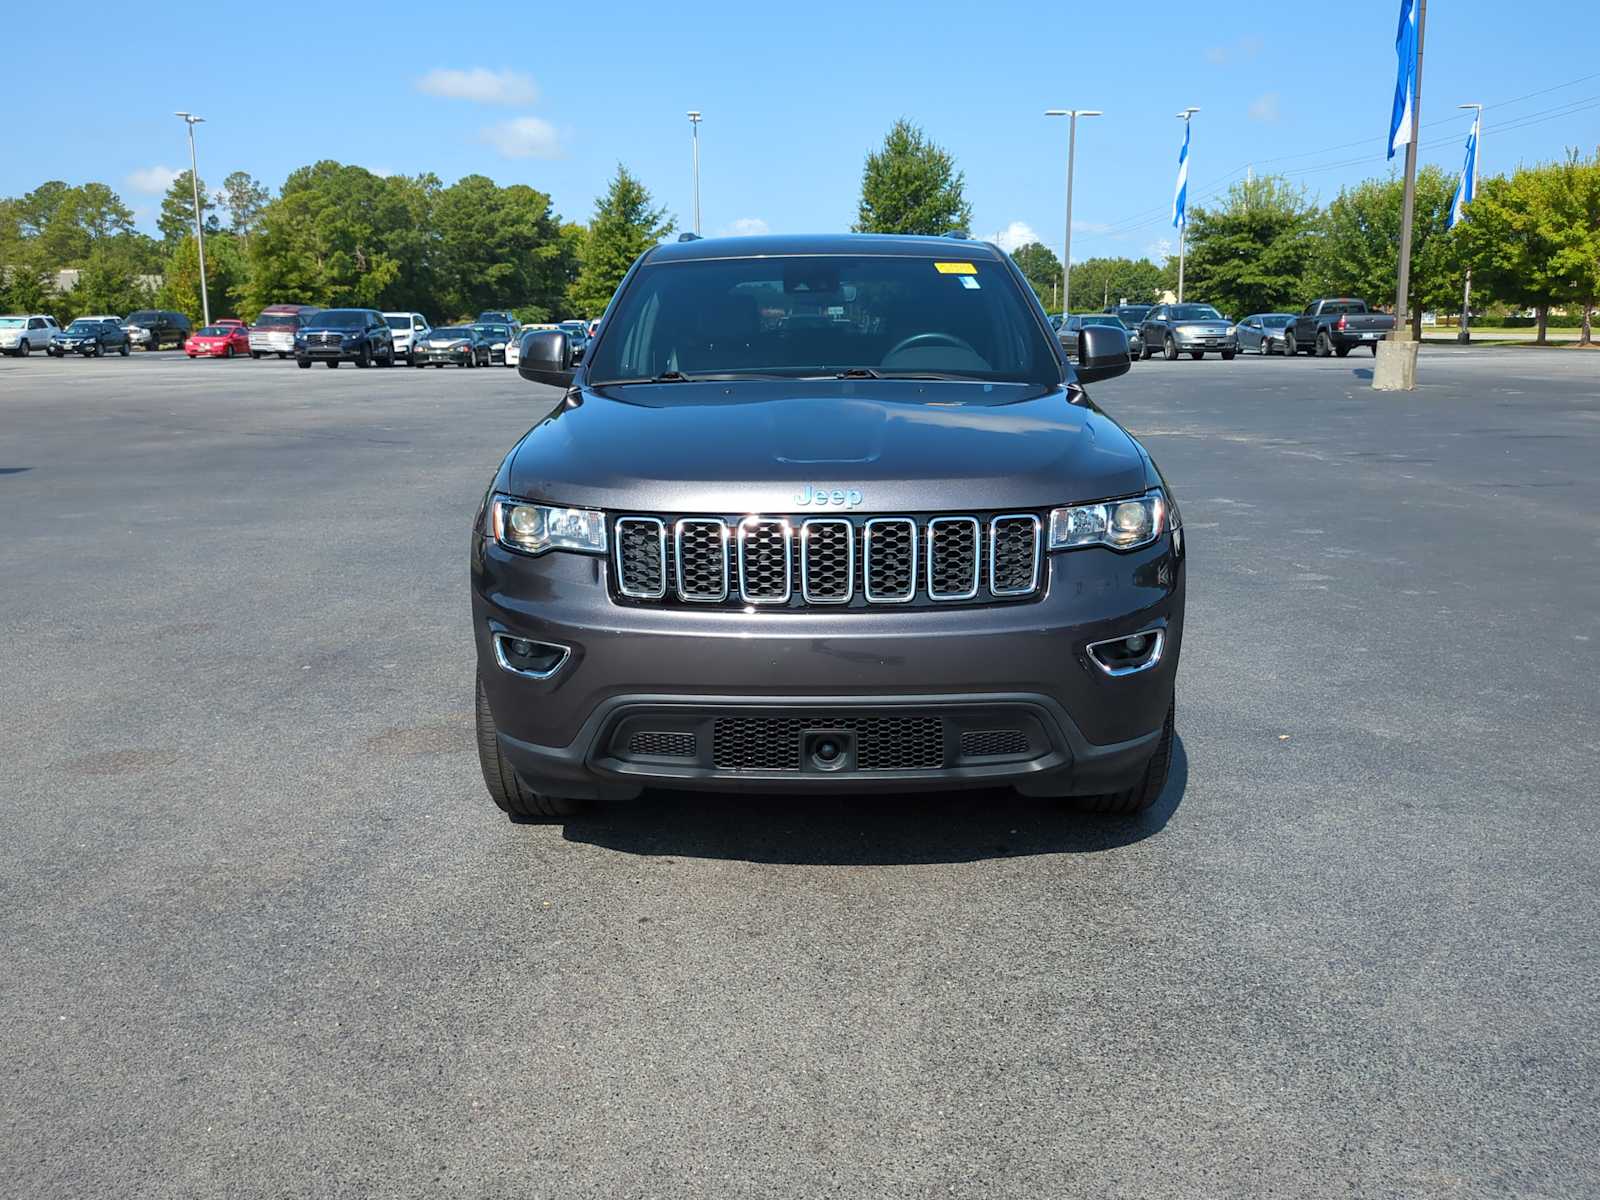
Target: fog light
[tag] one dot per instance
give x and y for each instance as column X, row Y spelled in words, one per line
column 531, row 659
column 1129, row 654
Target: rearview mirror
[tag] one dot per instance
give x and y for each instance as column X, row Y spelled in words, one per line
column 545, row 356
column 1102, row 353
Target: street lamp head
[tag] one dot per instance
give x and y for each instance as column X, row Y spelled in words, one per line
column 1073, row 112
column 694, row 116
column 190, row 118
column 1186, row 113
column 1479, row 107
column 1058, row 112
column 1090, row 112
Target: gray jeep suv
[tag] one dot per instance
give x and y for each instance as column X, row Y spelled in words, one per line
column 824, row 514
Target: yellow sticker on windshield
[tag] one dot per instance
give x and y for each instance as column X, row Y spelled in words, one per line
column 955, row 268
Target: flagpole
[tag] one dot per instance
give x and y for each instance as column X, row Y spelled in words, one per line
column 1408, row 207
column 1465, row 333
column 1183, row 222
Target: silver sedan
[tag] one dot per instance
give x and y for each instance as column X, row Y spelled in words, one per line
column 1263, row 332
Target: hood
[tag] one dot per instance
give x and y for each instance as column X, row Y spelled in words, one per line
column 902, row 446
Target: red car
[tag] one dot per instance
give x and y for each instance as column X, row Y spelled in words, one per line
column 220, row 339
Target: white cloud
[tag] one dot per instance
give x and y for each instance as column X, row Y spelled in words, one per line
column 480, row 85
column 1264, row 107
column 1242, row 50
column 523, row 137
column 152, row 179
column 1090, row 227
column 746, row 227
column 1159, row 250
column 1014, row 235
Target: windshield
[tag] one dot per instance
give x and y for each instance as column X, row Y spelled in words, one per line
column 342, row 318
column 13, row 322
column 1276, row 320
column 276, row 321
column 499, row 331
column 1195, row 312
column 217, row 331
column 83, row 326
column 1102, row 319
column 142, row 318
column 808, row 315
column 450, row 331
column 399, row 322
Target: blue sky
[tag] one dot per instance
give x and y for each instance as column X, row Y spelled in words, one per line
column 794, row 96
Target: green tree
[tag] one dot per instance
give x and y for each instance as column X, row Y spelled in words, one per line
column 177, row 210
column 912, row 186
column 625, row 225
column 1509, row 246
column 112, row 280
column 244, row 197
column 1358, row 252
column 326, row 240
column 1097, row 282
column 499, row 248
column 226, row 272
column 69, row 221
column 1252, row 252
column 1042, row 269
column 1571, row 219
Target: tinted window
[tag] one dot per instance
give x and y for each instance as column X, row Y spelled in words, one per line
column 143, row 318
column 1276, row 320
column 399, row 322
column 277, row 321
column 1195, row 312
column 451, row 331
column 822, row 314
column 343, row 318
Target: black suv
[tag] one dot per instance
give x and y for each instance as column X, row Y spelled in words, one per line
column 336, row 335
column 825, row 514
column 150, row 329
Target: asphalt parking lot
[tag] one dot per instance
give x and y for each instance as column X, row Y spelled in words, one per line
column 263, row 933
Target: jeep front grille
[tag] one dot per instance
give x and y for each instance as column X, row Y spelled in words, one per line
column 882, row 743
column 783, row 562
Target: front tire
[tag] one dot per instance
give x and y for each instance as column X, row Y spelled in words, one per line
column 1374, row 349
column 506, row 788
column 1169, row 349
column 255, row 354
column 24, row 349
column 364, row 358
column 1289, row 346
column 1142, row 794
column 123, row 349
column 227, row 352
column 1324, row 345
column 303, row 363
column 1197, row 355
column 333, row 364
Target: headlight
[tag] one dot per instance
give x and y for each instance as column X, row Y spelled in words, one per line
column 535, row 528
column 498, row 346
column 1120, row 524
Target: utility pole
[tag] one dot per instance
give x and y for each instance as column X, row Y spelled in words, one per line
column 199, row 231
column 1183, row 224
column 1465, row 333
column 1072, row 152
column 694, row 125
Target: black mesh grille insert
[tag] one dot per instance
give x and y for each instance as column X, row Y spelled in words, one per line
column 1015, row 553
column 882, row 743
column 702, row 548
column 668, row 745
column 952, row 557
column 828, row 561
column 891, row 559
column 978, row 742
column 641, row 557
column 764, row 560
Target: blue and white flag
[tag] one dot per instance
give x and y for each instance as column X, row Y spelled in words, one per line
column 1180, row 195
column 1402, row 121
column 1467, row 184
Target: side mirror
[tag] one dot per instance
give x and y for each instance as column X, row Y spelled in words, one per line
column 546, row 357
column 1102, row 353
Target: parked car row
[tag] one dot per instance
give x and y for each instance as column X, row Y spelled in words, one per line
column 1330, row 326
column 306, row 332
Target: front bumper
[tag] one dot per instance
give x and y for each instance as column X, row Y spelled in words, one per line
column 427, row 354
column 645, row 673
column 326, row 353
column 1191, row 341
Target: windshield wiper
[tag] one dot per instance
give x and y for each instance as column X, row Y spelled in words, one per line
column 857, row 373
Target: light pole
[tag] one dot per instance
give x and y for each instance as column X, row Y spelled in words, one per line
column 1465, row 333
column 199, row 232
column 1183, row 225
column 1072, row 152
column 694, row 125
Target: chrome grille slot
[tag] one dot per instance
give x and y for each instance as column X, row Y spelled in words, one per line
column 953, row 550
column 700, row 548
column 827, row 561
column 890, row 556
column 641, row 557
column 1013, row 554
column 764, row 571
